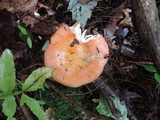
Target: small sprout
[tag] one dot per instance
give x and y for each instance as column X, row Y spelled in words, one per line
column 24, row 35
column 59, row 5
column 23, row 30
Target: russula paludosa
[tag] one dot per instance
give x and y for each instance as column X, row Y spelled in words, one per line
column 78, row 59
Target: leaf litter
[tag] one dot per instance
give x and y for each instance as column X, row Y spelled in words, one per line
column 124, row 73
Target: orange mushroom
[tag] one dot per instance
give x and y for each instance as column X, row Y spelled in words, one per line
column 78, row 59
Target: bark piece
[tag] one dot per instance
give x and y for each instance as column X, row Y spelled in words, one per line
column 148, row 27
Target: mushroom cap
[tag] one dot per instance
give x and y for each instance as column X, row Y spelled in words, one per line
column 77, row 59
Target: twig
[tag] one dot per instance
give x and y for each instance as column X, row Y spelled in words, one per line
column 25, row 110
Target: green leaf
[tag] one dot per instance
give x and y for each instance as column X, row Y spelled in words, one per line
column 150, row 68
column 36, row 79
column 81, row 12
column 103, row 108
column 45, row 45
column 7, row 72
column 9, row 107
column 157, row 77
column 29, row 42
column 33, row 105
column 4, row 95
column 59, row 5
column 23, row 30
column 121, row 107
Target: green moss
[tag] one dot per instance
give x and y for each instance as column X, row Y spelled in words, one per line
column 63, row 109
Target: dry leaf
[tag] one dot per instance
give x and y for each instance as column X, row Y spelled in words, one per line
column 112, row 27
column 114, row 46
column 30, row 21
column 19, row 6
column 28, row 10
column 127, row 20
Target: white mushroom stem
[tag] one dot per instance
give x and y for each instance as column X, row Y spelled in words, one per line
column 82, row 36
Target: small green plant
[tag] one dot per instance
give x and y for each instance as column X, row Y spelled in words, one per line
column 9, row 88
column 152, row 69
column 46, row 44
column 81, row 12
column 104, row 109
column 58, row 6
column 25, row 35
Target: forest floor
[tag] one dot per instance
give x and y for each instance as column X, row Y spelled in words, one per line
column 124, row 75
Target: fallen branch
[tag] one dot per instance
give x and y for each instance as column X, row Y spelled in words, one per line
column 25, row 110
column 148, row 27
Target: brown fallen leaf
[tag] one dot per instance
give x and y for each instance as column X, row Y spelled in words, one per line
column 112, row 26
column 114, row 46
column 30, row 21
column 45, row 28
column 127, row 20
column 49, row 10
column 17, row 6
column 27, row 10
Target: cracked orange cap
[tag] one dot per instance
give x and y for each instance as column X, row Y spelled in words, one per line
column 77, row 58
